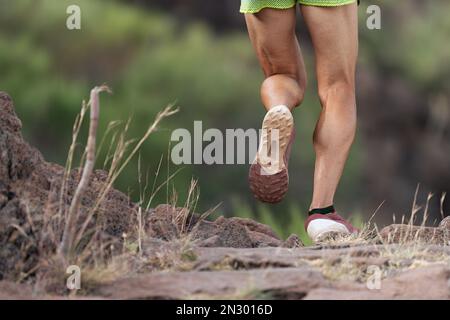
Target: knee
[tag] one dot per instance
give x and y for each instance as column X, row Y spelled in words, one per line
column 340, row 92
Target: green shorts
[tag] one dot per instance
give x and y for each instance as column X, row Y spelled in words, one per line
column 252, row 6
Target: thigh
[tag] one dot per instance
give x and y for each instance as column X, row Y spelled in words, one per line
column 334, row 34
column 272, row 32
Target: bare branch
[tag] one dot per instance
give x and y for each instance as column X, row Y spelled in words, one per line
column 69, row 228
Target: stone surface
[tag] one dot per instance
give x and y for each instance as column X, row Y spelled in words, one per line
column 404, row 233
column 14, row 291
column 18, row 291
column 208, row 258
column 282, row 283
column 281, row 273
column 428, row 283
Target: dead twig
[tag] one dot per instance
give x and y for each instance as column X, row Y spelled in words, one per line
column 69, row 227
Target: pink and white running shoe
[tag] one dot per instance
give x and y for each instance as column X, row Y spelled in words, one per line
column 321, row 226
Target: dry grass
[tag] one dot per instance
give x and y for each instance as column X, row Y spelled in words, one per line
column 79, row 238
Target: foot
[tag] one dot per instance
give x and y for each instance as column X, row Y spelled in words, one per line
column 322, row 226
column 268, row 176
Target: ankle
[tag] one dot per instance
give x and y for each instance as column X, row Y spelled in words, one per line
column 322, row 210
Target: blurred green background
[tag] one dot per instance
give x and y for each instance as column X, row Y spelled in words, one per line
column 197, row 55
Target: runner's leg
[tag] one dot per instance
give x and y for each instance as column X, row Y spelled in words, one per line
column 334, row 33
column 272, row 32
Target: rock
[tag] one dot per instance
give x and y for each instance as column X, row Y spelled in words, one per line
column 235, row 235
column 167, row 222
column 262, row 240
column 293, row 241
column 422, row 283
column 211, row 242
column 15, row 291
column 403, row 233
column 427, row 283
column 251, row 258
column 256, row 227
column 29, row 190
column 205, row 230
column 162, row 223
column 18, row 291
column 230, row 233
column 281, row 273
column 285, row 283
